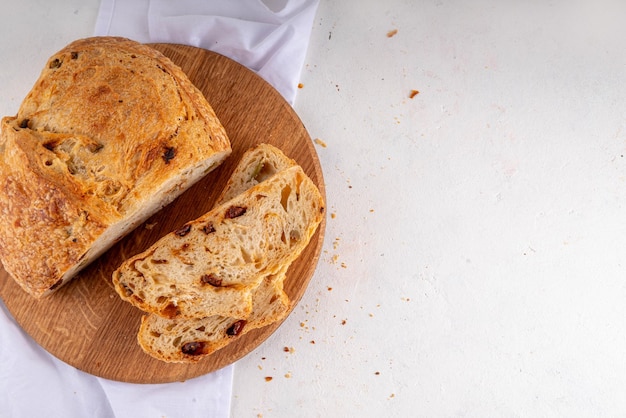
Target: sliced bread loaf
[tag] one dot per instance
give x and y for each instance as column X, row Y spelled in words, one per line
column 110, row 133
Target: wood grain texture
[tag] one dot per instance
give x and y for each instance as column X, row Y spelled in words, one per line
column 86, row 324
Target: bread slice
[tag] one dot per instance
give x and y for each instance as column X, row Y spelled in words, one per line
column 111, row 132
column 211, row 265
column 189, row 340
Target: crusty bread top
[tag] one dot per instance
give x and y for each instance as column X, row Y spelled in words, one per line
column 109, row 127
column 113, row 117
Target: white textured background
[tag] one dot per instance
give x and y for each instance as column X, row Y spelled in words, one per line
column 477, row 251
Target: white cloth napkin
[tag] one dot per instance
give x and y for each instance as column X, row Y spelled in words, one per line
column 33, row 383
column 267, row 36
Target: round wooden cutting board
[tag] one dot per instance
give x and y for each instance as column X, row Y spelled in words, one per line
column 86, row 324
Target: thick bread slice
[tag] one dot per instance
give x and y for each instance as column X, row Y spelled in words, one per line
column 111, row 132
column 211, row 265
column 189, row 340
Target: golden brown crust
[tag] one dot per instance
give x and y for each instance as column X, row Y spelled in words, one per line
column 43, row 231
column 107, row 124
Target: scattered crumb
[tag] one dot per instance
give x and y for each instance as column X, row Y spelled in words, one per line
column 262, row 358
column 288, row 375
column 320, row 142
column 300, row 85
column 377, row 373
column 289, row 350
column 393, row 395
column 329, row 288
column 344, row 265
column 260, row 367
column 343, row 322
column 312, row 341
column 371, row 315
column 150, row 226
column 413, row 93
column 392, row 33
column 333, row 215
column 268, row 378
column 371, row 210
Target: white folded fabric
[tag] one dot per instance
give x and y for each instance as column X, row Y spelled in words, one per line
column 33, row 383
column 267, row 36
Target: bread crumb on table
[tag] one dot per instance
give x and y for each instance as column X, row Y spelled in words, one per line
column 320, row 142
column 392, row 33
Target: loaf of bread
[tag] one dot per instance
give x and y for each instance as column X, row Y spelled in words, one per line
column 211, row 265
column 189, row 340
column 111, row 132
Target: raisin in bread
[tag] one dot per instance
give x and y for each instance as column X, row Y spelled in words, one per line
column 189, row 340
column 111, row 132
column 212, row 265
